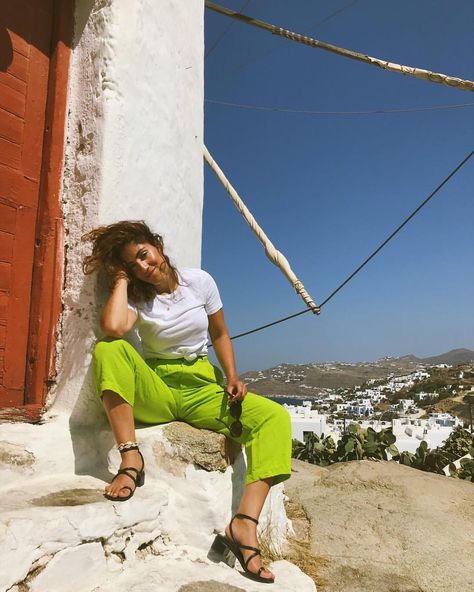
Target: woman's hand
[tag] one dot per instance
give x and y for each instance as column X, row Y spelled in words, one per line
column 236, row 389
column 121, row 275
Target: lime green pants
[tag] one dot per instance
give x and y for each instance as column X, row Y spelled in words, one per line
column 161, row 391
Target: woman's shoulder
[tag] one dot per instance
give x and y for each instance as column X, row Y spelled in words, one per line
column 193, row 274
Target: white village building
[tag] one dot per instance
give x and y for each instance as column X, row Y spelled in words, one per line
column 305, row 420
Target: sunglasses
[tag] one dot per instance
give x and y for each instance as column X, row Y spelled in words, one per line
column 235, row 411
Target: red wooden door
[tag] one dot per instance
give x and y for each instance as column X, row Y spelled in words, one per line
column 24, row 69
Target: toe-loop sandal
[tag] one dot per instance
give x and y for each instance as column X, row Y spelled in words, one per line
column 137, row 476
column 230, row 550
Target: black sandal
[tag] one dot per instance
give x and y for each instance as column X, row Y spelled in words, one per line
column 138, row 479
column 229, row 551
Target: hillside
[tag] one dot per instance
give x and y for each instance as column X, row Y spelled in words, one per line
column 309, row 380
column 455, row 356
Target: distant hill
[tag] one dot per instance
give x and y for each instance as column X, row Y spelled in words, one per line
column 309, row 380
column 455, row 356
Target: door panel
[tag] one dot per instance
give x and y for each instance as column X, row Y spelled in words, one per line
column 23, row 97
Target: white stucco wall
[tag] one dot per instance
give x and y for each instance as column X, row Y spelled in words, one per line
column 134, row 151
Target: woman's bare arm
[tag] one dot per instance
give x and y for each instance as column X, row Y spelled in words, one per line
column 225, row 354
column 117, row 319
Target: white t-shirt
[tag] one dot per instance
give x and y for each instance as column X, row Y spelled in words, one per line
column 175, row 325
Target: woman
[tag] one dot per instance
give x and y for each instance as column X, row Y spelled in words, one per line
column 173, row 311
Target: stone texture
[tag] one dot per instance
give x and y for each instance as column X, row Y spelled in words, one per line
column 69, row 497
column 204, row 448
column 76, row 569
column 169, row 523
column 14, row 456
column 209, row 586
column 381, row 527
column 186, row 571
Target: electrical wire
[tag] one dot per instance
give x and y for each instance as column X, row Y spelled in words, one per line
column 224, row 32
column 313, row 112
column 369, row 258
column 312, row 28
column 420, row 73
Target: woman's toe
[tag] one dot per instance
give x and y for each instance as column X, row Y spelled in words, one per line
column 267, row 574
column 257, row 568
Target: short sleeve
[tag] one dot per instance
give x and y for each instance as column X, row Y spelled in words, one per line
column 132, row 307
column 212, row 299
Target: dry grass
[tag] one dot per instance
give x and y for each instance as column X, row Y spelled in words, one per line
column 298, row 549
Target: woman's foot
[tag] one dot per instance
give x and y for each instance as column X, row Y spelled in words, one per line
column 124, row 485
column 244, row 532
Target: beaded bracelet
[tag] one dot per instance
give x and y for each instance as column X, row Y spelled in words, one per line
column 124, row 446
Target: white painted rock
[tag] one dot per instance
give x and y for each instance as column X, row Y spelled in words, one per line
column 76, row 569
column 49, row 514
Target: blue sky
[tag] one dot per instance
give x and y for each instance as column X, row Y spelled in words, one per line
column 328, row 189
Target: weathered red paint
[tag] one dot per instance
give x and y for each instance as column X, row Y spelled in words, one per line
column 33, row 93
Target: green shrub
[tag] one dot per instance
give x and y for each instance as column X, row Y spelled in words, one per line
column 359, row 443
column 356, row 444
column 459, row 443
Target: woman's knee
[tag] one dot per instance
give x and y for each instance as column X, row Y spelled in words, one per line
column 271, row 411
column 283, row 417
column 106, row 348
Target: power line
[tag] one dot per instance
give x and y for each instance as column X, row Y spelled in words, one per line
column 369, row 258
column 224, row 32
column 313, row 112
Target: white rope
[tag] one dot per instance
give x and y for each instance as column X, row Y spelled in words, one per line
column 437, row 77
column 271, row 252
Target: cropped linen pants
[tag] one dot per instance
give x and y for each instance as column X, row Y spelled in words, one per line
column 161, row 391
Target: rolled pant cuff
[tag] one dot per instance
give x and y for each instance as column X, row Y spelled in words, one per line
column 110, row 386
column 277, row 476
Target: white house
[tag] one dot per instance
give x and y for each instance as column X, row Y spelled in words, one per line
column 444, row 419
column 405, row 404
column 304, row 420
column 422, row 396
column 410, row 433
column 360, row 408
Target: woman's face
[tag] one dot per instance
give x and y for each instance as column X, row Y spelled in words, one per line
column 144, row 261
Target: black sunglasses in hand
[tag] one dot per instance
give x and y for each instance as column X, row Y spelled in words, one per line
column 235, row 411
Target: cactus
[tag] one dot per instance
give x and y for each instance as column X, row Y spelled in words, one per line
column 356, row 444
column 359, row 443
column 459, row 443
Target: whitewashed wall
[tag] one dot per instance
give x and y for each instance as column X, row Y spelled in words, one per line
column 135, row 135
column 134, row 150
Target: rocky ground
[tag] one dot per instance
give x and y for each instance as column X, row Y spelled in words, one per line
column 59, row 534
column 382, row 527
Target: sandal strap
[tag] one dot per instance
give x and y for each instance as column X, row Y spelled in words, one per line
column 249, row 559
column 124, row 472
column 133, row 468
column 248, row 548
column 245, row 517
column 236, row 542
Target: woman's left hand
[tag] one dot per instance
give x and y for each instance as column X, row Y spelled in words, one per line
column 236, row 389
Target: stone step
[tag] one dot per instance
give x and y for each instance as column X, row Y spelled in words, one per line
column 58, row 532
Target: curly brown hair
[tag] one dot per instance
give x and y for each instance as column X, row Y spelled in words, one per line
column 107, row 244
